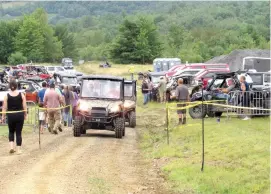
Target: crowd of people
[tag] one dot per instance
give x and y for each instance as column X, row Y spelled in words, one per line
column 182, row 95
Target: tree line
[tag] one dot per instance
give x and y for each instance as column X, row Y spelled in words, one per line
column 133, row 33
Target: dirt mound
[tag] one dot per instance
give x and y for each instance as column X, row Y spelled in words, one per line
column 235, row 58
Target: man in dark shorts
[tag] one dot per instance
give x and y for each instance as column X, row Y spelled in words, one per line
column 182, row 96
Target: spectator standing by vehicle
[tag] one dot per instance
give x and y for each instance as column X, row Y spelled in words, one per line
column 15, row 101
column 162, row 89
column 145, row 89
column 75, row 100
column 245, row 100
column 68, row 95
column 42, row 116
column 182, row 96
column 52, row 101
column 150, row 87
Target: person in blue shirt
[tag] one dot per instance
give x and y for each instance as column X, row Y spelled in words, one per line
column 42, row 112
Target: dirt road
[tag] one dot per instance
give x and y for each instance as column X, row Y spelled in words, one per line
column 94, row 163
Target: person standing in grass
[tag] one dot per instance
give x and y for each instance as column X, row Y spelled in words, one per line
column 145, row 89
column 162, row 89
column 14, row 101
column 182, row 96
column 245, row 100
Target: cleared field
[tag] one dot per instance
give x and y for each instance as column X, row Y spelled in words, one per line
column 116, row 69
column 237, row 152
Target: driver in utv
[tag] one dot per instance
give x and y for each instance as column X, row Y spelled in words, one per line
column 224, row 92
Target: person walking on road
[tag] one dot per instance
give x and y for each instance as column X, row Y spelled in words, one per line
column 42, row 115
column 245, row 99
column 182, row 96
column 68, row 95
column 52, row 101
column 14, row 101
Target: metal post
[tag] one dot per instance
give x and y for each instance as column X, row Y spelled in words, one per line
column 132, row 76
column 38, row 113
column 167, row 124
column 202, row 126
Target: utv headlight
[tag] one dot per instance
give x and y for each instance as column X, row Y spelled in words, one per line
column 83, row 106
column 115, row 108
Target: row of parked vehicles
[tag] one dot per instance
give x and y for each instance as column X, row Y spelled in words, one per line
column 105, row 102
column 210, row 77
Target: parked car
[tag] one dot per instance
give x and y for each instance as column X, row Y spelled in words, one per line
column 31, row 90
column 101, row 105
column 67, row 63
column 55, row 69
column 130, row 102
column 220, row 81
column 260, row 79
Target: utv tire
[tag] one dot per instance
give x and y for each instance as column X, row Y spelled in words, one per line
column 198, row 112
column 119, row 127
column 77, row 127
column 132, row 119
column 218, row 114
column 211, row 114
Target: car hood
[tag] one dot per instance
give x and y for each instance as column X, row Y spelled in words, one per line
column 100, row 103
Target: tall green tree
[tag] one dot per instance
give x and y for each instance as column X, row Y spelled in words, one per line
column 8, row 31
column 29, row 39
column 137, row 42
column 67, row 39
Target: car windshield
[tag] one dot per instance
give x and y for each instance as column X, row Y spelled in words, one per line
column 51, row 68
column 155, row 79
column 60, row 69
column 101, row 89
column 217, row 84
column 69, row 80
column 192, row 72
column 128, row 90
column 257, row 79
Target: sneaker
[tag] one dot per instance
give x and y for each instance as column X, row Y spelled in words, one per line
column 11, row 151
column 55, row 132
column 19, row 151
column 60, row 129
column 246, row 118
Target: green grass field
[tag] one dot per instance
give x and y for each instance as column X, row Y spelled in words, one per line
column 237, row 152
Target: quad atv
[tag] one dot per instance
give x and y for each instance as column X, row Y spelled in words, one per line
column 101, row 105
column 219, row 81
column 130, row 102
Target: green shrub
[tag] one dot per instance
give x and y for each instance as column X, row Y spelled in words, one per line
column 16, row 58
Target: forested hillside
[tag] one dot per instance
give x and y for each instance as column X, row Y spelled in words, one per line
column 136, row 31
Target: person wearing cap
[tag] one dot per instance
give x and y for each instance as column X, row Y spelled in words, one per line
column 52, row 101
column 162, row 89
column 182, row 96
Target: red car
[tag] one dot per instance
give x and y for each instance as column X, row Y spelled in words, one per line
column 208, row 75
column 174, row 69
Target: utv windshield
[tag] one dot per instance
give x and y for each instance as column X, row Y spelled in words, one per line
column 69, row 80
column 101, row 89
column 128, row 90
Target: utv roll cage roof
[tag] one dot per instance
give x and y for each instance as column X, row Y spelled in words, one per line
column 103, row 77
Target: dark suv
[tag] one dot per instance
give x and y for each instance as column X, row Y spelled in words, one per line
column 101, row 105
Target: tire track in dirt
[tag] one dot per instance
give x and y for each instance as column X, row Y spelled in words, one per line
column 94, row 163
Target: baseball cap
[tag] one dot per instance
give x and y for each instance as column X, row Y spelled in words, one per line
column 51, row 83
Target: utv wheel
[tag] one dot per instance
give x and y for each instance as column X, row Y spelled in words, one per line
column 77, row 126
column 198, row 112
column 218, row 114
column 119, row 127
column 132, row 119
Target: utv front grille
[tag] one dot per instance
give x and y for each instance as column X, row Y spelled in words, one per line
column 98, row 112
